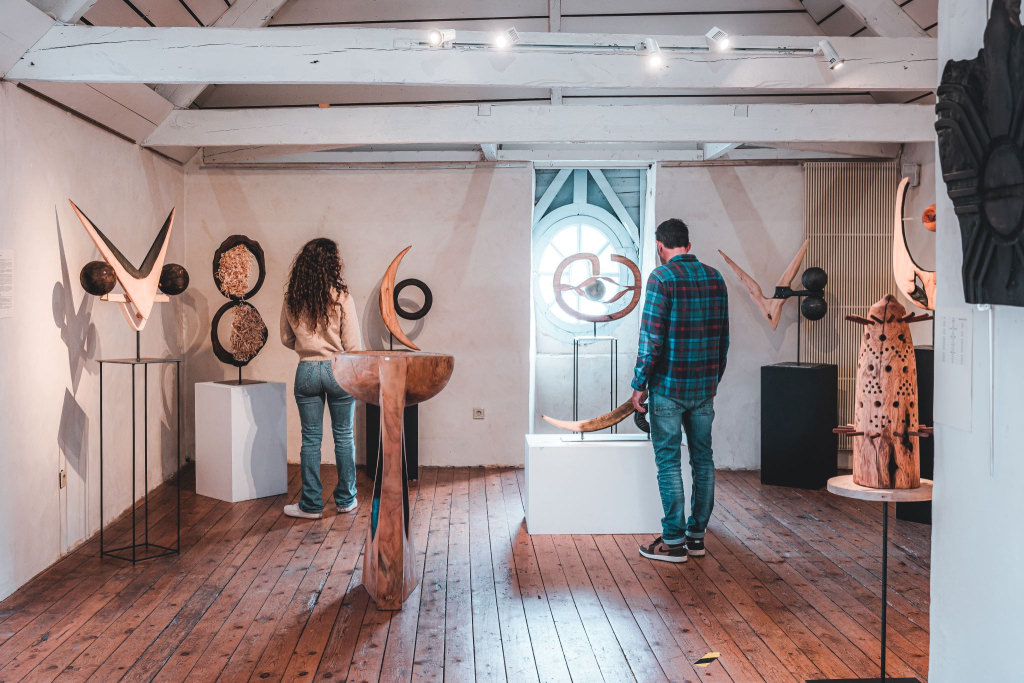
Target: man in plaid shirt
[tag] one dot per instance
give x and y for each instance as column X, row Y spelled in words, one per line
column 684, row 338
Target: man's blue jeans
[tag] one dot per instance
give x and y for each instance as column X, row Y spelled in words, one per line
column 668, row 417
column 315, row 383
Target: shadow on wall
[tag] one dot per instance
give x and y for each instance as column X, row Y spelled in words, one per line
column 195, row 328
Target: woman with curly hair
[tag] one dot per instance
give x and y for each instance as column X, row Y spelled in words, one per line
column 318, row 321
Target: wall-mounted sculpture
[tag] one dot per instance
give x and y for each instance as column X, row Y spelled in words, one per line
column 392, row 380
column 233, row 265
column 886, row 451
column 913, row 280
column 391, row 309
column 813, row 306
column 981, row 150
column 140, row 284
column 595, row 287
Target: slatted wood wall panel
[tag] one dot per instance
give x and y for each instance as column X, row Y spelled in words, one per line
column 848, row 220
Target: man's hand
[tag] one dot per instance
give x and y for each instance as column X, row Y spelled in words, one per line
column 639, row 398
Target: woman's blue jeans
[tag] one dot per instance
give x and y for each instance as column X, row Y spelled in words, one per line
column 315, row 384
column 668, row 418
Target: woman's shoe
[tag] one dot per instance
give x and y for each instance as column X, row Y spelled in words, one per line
column 294, row 510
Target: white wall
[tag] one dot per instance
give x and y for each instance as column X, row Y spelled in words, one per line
column 976, row 594
column 49, row 407
column 470, row 231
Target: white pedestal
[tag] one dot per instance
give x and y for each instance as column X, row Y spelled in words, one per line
column 241, row 440
column 605, row 484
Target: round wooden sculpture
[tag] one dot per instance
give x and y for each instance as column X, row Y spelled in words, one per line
column 391, row 380
column 231, row 273
column 886, row 430
column 594, row 287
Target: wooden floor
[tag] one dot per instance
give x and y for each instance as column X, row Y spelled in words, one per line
column 789, row 590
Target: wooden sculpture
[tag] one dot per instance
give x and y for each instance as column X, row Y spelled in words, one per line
column 594, row 287
column 391, row 380
column 140, row 284
column 886, row 429
column 233, row 264
column 387, row 301
column 913, row 280
column 770, row 307
column 595, row 424
column 981, row 149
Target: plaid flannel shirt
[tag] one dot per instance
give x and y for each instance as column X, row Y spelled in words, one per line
column 684, row 333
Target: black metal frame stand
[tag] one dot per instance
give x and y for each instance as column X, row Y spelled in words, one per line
column 149, row 549
column 613, row 373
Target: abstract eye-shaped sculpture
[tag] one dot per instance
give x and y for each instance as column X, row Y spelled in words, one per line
column 595, row 287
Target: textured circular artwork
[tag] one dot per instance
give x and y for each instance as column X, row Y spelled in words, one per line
column 239, row 269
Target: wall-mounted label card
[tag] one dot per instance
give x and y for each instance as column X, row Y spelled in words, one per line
column 954, row 365
column 6, row 283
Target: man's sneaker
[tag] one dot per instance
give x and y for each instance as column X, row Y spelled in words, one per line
column 694, row 546
column 659, row 550
column 348, row 508
column 294, row 510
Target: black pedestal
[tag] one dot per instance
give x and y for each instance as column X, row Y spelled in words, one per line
column 410, row 435
column 925, row 358
column 799, row 408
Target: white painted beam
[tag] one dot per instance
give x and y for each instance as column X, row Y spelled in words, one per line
column 714, row 150
column 343, row 158
column 21, row 25
column 884, row 17
column 874, row 150
column 526, row 124
column 490, row 151
column 595, row 155
column 242, row 14
column 67, row 11
column 398, row 57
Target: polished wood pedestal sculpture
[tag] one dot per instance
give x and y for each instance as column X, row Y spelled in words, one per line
column 391, row 380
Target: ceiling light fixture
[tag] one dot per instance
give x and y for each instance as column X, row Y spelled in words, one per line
column 834, row 60
column 717, row 39
column 441, row 37
column 507, row 38
column 652, row 53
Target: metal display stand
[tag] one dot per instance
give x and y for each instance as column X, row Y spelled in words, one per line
column 613, row 374
column 146, row 548
column 845, row 486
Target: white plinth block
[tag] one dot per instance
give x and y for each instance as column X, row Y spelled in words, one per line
column 605, row 484
column 241, row 440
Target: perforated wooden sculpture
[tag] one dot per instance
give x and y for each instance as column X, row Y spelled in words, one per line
column 886, row 428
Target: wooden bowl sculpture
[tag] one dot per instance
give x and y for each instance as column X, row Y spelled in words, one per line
column 391, row 380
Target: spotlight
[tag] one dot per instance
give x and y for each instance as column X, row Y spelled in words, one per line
column 834, row 60
column 443, row 37
column 652, row 51
column 717, row 39
column 506, row 38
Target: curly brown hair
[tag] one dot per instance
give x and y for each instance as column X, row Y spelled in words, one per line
column 315, row 282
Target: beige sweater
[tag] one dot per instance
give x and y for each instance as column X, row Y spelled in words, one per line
column 342, row 333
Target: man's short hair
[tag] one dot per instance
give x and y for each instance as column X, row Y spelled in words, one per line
column 673, row 233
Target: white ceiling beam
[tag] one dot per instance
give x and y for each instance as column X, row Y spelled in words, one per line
column 67, row 11
column 873, row 150
column 884, row 17
column 21, row 25
column 714, row 150
column 490, row 151
column 242, row 14
column 397, row 57
column 527, row 124
column 335, row 158
column 598, row 155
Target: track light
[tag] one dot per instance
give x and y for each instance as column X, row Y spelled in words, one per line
column 834, row 60
column 652, row 52
column 507, row 38
column 441, row 37
column 717, row 39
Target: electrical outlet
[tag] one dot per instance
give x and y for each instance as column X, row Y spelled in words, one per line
column 478, row 413
column 63, row 478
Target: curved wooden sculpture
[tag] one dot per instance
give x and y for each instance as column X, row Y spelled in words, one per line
column 913, row 280
column 141, row 284
column 391, row 380
column 981, row 151
column 597, row 279
column 771, row 308
column 387, row 301
column 595, row 424
column 886, row 451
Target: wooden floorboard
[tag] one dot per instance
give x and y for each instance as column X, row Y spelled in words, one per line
column 789, row 590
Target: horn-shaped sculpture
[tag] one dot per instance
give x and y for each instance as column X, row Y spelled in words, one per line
column 770, row 307
column 387, row 301
column 913, row 280
column 141, row 284
column 594, row 424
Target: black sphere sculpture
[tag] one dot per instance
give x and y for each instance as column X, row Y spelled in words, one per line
column 814, row 279
column 814, row 308
column 97, row 278
column 173, row 279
